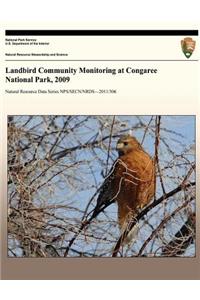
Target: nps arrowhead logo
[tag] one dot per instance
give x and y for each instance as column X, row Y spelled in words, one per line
column 188, row 46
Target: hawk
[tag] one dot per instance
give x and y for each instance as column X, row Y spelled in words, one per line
column 130, row 182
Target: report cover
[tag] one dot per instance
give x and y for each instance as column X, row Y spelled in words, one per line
column 99, row 152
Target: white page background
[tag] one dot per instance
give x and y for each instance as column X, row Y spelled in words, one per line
column 180, row 11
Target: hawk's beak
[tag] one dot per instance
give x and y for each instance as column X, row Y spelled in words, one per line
column 119, row 146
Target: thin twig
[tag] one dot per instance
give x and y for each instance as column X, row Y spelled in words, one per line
column 109, row 144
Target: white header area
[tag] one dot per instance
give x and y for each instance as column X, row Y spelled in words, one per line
column 106, row 48
column 99, row 74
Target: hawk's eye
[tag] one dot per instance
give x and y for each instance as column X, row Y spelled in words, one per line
column 125, row 143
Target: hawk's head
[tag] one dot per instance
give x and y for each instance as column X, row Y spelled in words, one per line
column 127, row 144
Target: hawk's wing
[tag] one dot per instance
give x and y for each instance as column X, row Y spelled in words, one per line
column 108, row 193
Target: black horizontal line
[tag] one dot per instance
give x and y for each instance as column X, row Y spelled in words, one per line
column 98, row 32
column 99, row 60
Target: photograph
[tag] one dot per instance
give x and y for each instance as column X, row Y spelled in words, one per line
column 101, row 186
